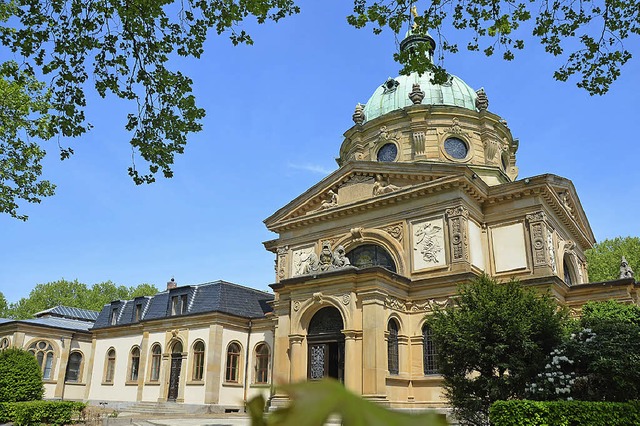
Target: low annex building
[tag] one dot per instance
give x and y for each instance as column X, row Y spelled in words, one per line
column 426, row 198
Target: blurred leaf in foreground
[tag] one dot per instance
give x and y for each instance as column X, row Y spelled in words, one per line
column 312, row 403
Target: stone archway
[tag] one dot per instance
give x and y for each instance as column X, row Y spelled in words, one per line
column 325, row 356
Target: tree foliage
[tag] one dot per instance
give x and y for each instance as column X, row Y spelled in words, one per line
column 604, row 258
column 4, row 306
column 599, row 360
column 20, row 376
column 75, row 294
column 589, row 36
column 492, row 342
column 122, row 48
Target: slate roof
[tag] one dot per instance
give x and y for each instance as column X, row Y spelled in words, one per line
column 64, row 323
column 69, row 312
column 217, row 296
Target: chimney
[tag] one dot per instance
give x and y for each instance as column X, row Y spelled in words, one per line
column 172, row 284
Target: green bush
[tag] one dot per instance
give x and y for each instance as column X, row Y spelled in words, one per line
column 20, row 376
column 564, row 413
column 37, row 412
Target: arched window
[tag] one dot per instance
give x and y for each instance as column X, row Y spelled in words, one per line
column 198, row 360
column 262, row 363
column 392, row 347
column 43, row 351
column 233, row 363
column 429, row 351
column 110, row 366
column 370, row 255
column 134, row 367
column 4, row 343
column 156, row 357
column 73, row 367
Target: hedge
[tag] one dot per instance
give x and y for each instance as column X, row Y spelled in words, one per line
column 37, row 412
column 564, row 413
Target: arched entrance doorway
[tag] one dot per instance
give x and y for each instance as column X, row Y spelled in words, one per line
column 174, row 374
column 326, row 345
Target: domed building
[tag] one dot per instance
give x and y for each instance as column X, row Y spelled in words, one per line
column 426, row 198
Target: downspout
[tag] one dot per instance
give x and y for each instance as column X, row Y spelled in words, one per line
column 246, row 368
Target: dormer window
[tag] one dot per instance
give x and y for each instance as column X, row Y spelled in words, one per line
column 138, row 312
column 114, row 316
column 179, row 305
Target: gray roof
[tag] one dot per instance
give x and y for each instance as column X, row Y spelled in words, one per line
column 69, row 313
column 218, row 296
column 64, row 323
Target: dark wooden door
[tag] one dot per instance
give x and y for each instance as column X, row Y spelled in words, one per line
column 174, row 377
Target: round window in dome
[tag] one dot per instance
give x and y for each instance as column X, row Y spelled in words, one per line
column 456, row 148
column 388, row 152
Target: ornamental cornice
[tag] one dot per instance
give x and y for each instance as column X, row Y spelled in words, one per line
column 459, row 181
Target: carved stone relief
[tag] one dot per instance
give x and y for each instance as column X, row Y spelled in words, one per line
column 564, row 197
column 330, row 201
column 300, row 259
column 552, row 253
column 382, row 186
column 393, row 303
column 428, row 243
column 493, row 148
column 327, row 260
column 455, row 129
column 356, row 233
column 355, row 179
column 395, row 230
column 430, row 304
column 541, row 241
column 282, row 261
column 346, row 299
column 458, row 232
column 386, row 136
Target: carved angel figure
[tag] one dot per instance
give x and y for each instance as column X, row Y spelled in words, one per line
column 427, row 242
column 340, row 258
column 625, row 269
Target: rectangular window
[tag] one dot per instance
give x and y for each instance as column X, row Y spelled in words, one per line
column 114, row 316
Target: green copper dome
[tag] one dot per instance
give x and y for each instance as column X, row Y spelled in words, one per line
column 393, row 94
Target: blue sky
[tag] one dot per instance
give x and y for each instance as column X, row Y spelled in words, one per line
column 276, row 112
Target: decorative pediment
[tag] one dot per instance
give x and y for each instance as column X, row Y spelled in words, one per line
column 350, row 188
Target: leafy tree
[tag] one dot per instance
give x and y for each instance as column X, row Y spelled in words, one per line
column 20, row 376
column 492, row 342
column 599, row 360
column 4, row 306
column 589, row 36
column 604, row 258
column 75, row 294
column 124, row 49
column 24, row 105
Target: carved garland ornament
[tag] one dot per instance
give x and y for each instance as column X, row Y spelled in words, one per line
column 541, row 240
column 455, row 129
column 281, row 262
column 431, row 304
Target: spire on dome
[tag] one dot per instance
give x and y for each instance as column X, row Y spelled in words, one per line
column 413, row 38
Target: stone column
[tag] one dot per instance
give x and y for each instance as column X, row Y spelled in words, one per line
column 142, row 368
column 215, row 358
column 298, row 370
column 374, row 356
column 62, row 367
column 353, row 360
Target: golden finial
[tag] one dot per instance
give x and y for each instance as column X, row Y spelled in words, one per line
column 414, row 12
